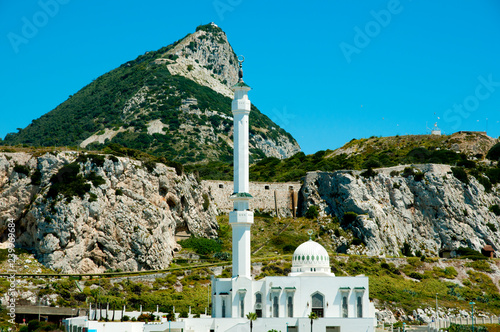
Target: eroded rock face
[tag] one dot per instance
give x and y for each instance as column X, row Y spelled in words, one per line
column 128, row 222
column 434, row 214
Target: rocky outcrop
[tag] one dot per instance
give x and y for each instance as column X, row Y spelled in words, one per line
column 206, row 58
column 282, row 147
column 437, row 213
column 125, row 221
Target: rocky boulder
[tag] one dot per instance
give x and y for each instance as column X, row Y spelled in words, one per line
column 126, row 220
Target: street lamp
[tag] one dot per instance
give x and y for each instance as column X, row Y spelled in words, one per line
column 472, row 304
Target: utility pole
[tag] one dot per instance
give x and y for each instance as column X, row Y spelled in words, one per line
column 472, row 304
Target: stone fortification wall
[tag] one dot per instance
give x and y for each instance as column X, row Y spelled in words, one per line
column 268, row 196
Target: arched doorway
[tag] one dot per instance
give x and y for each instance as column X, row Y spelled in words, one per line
column 318, row 301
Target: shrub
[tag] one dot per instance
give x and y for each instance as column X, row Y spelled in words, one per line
column 312, row 212
column 96, row 180
column 406, row 250
column 118, row 192
column 480, row 265
column 288, row 241
column 494, row 152
column 416, row 275
column 21, row 169
column 146, row 318
column 349, row 218
column 372, row 163
column 495, row 209
column 485, row 182
column 493, row 174
column 418, row 176
column 356, row 241
column 223, row 256
column 466, row 328
column 450, row 272
column 466, row 163
column 201, row 245
column 36, row 178
column 68, row 182
column 93, row 197
column 369, row 173
column 408, row 171
column 460, row 174
column 97, row 159
column 491, row 227
column 466, row 252
column 206, row 201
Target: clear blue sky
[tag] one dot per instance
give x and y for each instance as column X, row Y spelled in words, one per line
column 326, row 71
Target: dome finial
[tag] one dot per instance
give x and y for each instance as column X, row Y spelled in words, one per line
column 310, row 232
column 241, row 59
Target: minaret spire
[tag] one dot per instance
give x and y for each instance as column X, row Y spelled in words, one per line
column 241, row 218
column 240, row 72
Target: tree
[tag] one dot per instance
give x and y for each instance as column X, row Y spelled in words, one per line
column 312, row 212
column 494, row 153
column 312, row 317
column 251, row 317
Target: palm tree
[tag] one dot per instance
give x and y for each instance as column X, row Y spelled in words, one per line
column 312, row 317
column 251, row 317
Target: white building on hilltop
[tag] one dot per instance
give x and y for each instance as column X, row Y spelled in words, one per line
column 341, row 304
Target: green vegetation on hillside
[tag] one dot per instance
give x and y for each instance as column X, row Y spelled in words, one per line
column 295, row 167
column 196, row 121
column 414, row 281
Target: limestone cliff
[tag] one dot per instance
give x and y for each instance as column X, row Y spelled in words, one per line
column 439, row 212
column 126, row 220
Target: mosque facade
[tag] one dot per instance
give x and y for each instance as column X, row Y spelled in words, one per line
column 310, row 298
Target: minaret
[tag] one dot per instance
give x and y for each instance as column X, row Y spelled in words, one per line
column 241, row 218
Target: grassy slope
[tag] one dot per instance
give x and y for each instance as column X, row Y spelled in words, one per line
column 413, row 282
column 364, row 153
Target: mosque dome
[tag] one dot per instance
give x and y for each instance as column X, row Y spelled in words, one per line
column 310, row 256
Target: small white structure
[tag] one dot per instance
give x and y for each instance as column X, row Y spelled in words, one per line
column 436, row 130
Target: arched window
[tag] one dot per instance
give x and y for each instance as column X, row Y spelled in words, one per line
column 359, row 306
column 223, row 308
column 242, row 305
column 276, row 311
column 317, row 300
column 258, row 304
column 289, row 306
column 345, row 312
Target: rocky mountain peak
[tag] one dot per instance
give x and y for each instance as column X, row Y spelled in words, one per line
column 207, row 58
column 174, row 102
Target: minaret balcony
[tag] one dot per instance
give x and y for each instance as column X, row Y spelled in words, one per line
column 241, row 104
column 241, row 217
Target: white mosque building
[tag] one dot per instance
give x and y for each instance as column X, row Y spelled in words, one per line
column 281, row 303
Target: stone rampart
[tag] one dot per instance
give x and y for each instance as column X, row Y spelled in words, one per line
column 268, row 197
